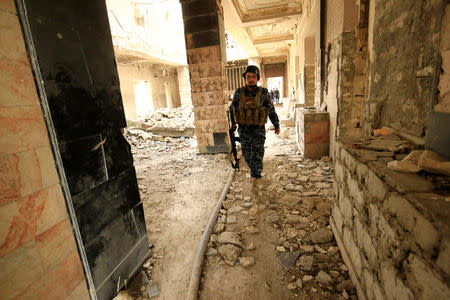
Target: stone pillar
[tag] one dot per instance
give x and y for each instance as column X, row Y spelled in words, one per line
column 205, row 44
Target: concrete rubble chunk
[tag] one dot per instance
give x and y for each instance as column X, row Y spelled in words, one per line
column 322, row 235
column 247, row 261
column 306, row 262
column 230, row 238
column 219, row 228
column 211, row 251
column 324, row 278
column 153, row 291
column 289, row 200
column 288, row 259
column 231, row 220
column 307, row 278
column 345, row 285
column 230, row 253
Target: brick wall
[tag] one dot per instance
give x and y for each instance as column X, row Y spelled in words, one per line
column 38, row 253
column 393, row 229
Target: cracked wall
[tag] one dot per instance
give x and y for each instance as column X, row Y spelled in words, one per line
column 405, row 65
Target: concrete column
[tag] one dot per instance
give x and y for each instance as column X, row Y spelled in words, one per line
column 205, row 44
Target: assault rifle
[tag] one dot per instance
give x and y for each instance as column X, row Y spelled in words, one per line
column 233, row 140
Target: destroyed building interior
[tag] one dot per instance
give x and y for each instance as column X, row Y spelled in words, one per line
column 115, row 149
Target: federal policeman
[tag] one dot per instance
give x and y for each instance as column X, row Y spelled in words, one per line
column 250, row 108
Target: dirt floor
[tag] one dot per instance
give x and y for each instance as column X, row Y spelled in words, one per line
column 285, row 220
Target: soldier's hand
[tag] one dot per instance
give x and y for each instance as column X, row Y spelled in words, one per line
column 277, row 130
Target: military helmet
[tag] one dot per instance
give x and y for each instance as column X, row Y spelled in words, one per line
column 252, row 69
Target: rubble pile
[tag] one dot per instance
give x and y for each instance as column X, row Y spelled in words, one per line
column 168, row 122
column 294, row 201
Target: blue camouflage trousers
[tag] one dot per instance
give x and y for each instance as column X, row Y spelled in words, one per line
column 252, row 145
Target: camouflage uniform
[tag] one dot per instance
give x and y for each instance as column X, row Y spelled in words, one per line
column 254, row 136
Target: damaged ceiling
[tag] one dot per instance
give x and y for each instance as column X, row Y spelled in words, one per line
column 263, row 28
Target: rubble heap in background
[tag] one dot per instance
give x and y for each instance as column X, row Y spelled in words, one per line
column 175, row 122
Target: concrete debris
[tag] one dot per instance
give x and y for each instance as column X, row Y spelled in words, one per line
column 211, row 251
column 280, row 249
column 229, row 253
column 307, row 278
column 306, row 262
column 324, row 278
column 230, row 238
column 288, row 259
column 321, row 236
column 153, row 291
column 292, row 286
column 246, row 261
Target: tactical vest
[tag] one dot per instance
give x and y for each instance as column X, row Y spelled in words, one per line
column 250, row 111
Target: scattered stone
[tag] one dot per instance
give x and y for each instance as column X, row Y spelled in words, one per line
column 291, row 232
column 289, row 187
column 231, row 220
column 299, row 283
column 309, row 194
column 247, row 204
column 223, row 211
column 289, row 200
column 313, row 290
column 230, row 253
column 307, row 278
column 219, row 228
column 343, row 267
column 251, row 246
column 324, row 278
column 326, row 159
column 320, row 257
column 230, row 238
column 334, row 274
column 272, row 218
column 292, row 175
column 153, row 291
column 247, row 198
column 288, row 259
column 246, row 261
column 292, row 286
column 227, row 204
column 234, row 209
column 211, row 251
column 252, row 229
column 280, row 249
column 320, row 249
column 144, row 277
column 345, row 285
column 307, row 249
column 306, row 262
column 332, row 250
column 294, row 219
column 303, row 178
column 322, row 235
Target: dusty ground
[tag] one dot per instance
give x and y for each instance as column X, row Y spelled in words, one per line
column 179, row 190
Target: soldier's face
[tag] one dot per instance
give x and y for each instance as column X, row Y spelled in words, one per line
column 251, row 79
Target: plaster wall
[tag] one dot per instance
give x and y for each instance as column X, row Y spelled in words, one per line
column 155, row 77
column 307, row 46
column 38, row 254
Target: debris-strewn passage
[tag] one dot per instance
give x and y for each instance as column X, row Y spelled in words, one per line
column 274, row 241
